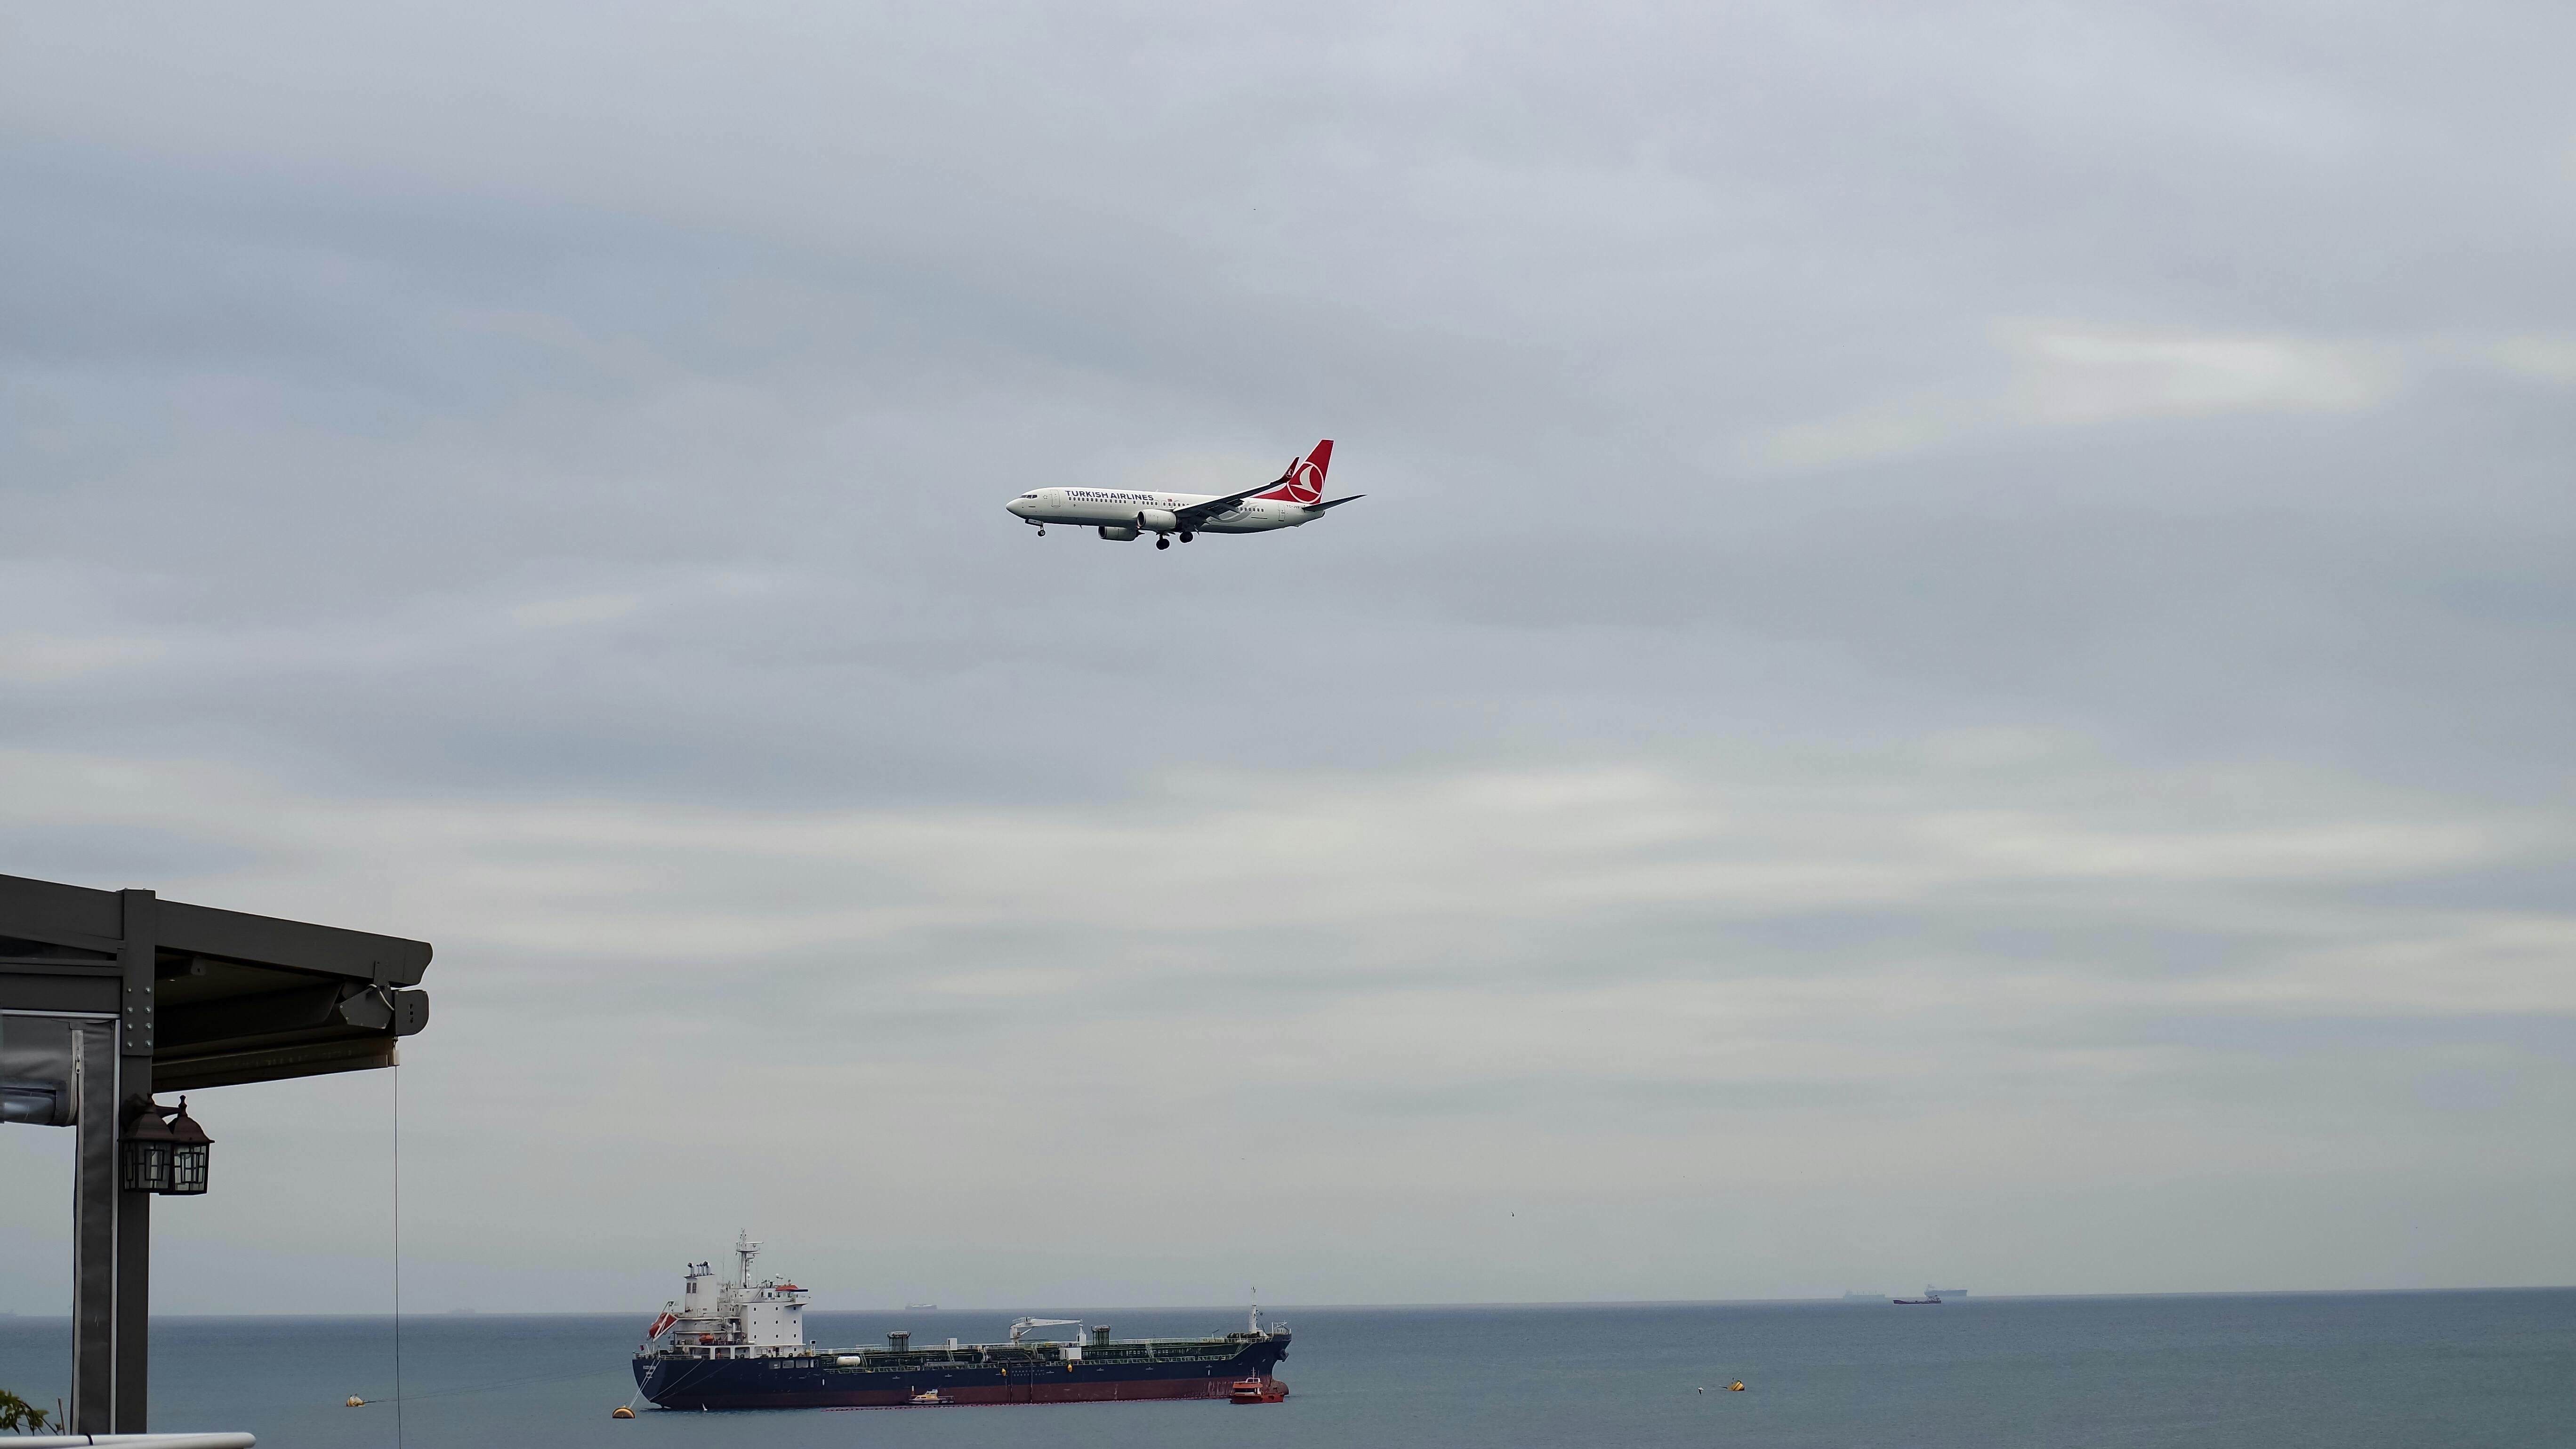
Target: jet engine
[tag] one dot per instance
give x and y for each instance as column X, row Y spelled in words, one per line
column 1159, row 520
column 1117, row 535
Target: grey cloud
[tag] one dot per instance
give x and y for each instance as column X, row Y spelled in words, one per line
column 1972, row 596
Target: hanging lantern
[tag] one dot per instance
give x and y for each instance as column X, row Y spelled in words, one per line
column 191, row 1152
column 147, row 1149
column 169, row 1157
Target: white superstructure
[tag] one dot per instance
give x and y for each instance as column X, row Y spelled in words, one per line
column 734, row 1318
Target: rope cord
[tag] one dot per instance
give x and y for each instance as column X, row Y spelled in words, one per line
column 398, row 1383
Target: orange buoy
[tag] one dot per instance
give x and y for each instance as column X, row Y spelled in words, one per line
column 356, row 1403
column 622, row 1412
column 1736, row 1387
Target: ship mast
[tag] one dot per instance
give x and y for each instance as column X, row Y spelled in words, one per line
column 744, row 1250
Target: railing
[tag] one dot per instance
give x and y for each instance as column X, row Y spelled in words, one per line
column 1003, row 1355
column 233, row 1439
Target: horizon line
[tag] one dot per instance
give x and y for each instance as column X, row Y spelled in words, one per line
column 1405, row 1307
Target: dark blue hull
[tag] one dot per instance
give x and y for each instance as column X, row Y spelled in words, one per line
column 1033, row 1375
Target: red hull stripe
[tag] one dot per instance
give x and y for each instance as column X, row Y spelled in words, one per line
column 1033, row 1393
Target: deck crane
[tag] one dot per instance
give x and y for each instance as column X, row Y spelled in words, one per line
column 1021, row 1327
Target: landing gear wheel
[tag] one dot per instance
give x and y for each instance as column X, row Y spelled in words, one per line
column 1187, row 537
column 1165, row 541
column 1041, row 530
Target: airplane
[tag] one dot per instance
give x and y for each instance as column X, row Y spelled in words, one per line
column 1292, row 499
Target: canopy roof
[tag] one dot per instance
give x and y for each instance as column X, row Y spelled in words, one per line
column 234, row 997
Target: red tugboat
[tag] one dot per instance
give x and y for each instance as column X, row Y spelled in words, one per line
column 1264, row 1390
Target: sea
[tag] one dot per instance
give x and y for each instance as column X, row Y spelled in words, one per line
column 2271, row 1371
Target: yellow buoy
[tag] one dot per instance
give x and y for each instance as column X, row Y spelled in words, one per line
column 623, row 1412
column 356, row 1403
column 1736, row 1387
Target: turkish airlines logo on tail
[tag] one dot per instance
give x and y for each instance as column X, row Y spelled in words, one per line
column 1304, row 482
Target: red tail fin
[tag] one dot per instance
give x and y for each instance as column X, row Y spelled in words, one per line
column 1304, row 480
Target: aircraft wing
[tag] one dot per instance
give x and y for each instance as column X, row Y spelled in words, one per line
column 1198, row 513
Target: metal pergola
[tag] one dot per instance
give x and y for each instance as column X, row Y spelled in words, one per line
column 107, row 997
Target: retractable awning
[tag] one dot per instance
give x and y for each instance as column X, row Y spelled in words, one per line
column 232, row 997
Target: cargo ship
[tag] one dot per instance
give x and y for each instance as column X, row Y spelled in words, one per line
column 739, row 1344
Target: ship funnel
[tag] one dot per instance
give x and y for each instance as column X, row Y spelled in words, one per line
column 1100, row 1333
column 900, row 1340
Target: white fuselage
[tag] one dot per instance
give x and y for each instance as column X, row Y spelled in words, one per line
column 1116, row 508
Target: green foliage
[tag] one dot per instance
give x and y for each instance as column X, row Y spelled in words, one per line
column 25, row 1418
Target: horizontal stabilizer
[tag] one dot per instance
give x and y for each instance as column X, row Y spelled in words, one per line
column 1335, row 503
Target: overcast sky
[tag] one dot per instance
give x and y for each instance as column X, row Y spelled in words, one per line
column 1957, row 665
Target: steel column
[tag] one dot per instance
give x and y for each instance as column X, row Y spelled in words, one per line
column 95, row 1184
column 112, row 1228
column 138, row 957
